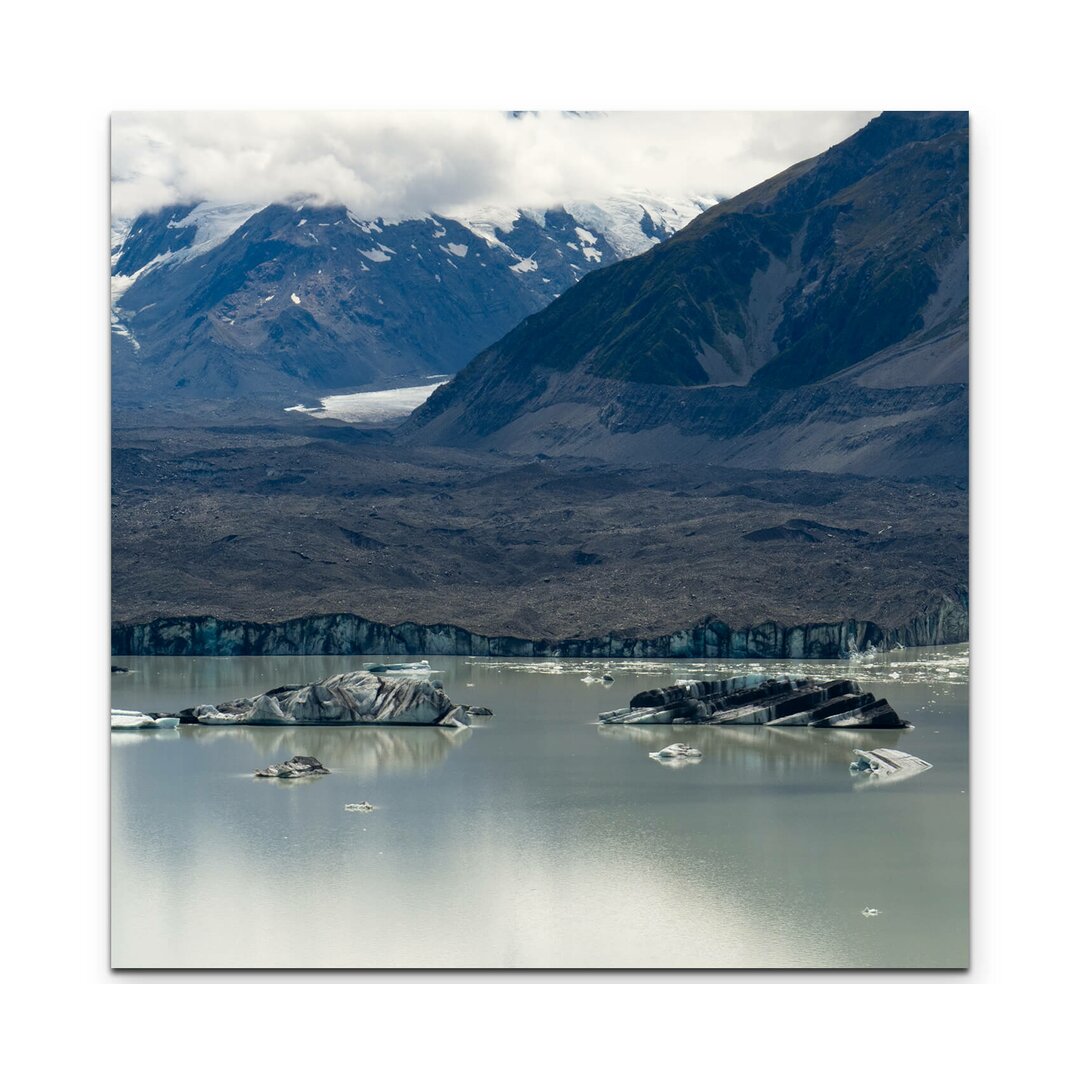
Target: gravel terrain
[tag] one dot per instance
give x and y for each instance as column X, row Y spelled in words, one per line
column 269, row 520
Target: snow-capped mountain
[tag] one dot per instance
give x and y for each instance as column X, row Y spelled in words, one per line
column 213, row 301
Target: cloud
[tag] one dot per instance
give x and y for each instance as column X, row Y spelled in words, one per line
column 402, row 164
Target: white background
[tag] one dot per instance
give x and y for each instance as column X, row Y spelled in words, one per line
column 64, row 71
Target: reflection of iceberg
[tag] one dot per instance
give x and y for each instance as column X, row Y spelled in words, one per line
column 364, row 752
column 775, row 749
column 885, row 765
column 130, row 720
column 676, row 762
column 132, row 736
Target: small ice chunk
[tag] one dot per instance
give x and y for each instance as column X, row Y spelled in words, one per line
column 676, row 750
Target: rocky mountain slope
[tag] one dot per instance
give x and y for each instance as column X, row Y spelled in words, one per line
column 227, row 303
column 817, row 321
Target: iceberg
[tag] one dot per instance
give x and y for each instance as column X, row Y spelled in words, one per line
column 677, row 752
column 885, row 766
column 130, row 720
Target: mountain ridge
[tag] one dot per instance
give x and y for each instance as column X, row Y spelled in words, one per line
column 212, row 300
column 855, row 257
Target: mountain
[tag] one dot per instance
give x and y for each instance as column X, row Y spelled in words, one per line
column 817, row 321
column 280, row 302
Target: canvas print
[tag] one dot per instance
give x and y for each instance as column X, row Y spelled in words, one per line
column 539, row 540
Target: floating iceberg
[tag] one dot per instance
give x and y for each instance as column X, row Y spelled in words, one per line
column 355, row 697
column 419, row 667
column 886, row 766
column 677, row 752
column 295, row 768
column 783, row 701
column 129, row 720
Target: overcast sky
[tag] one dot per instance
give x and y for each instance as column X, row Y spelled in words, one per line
column 397, row 165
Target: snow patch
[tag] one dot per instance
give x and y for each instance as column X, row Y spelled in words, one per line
column 121, row 330
column 120, row 283
column 526, row 266
column 376, row 255
column 214, row 223
column 368, row 227
column 294, row 298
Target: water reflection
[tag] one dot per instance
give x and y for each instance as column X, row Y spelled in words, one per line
column 122, row 738
column 779, row 749
column 362, row 752
column 542, row 844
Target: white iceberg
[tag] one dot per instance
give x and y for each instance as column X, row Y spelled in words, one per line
column 677, row 753
column 131, row 720
column 885, row 766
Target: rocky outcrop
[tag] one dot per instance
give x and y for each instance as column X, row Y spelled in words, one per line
column 355, row 697
column 784, row 701
column 295, row 768
column 946, row 623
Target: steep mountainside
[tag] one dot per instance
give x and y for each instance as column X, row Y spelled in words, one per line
column 817, row 321
column 220, row 302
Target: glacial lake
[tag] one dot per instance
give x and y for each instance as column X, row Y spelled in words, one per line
column 537, row 838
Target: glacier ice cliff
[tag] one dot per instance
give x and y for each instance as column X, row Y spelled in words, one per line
column 945, row 623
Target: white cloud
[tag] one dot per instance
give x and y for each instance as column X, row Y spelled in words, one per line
column 400, row 164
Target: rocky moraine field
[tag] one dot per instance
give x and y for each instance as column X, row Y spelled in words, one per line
column 271, row 521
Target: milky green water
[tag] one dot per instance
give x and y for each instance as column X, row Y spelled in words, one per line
column 538, row 839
